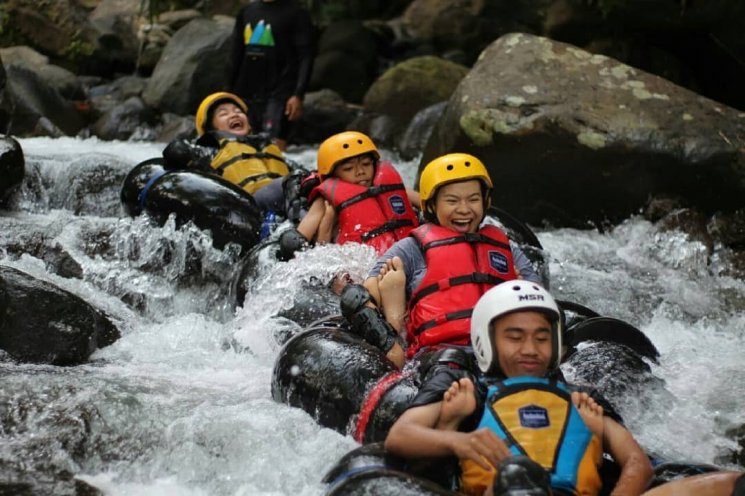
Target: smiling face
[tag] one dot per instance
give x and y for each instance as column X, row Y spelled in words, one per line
column 229, row 117
column 523, row 343
column 460, row 206
column 356, row 170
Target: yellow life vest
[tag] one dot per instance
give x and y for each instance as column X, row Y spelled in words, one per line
column 536, row 418
column 245, row 166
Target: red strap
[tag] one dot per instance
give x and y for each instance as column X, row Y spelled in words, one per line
column 371, row 402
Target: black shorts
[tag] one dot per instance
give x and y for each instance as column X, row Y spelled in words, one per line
column 268, row 116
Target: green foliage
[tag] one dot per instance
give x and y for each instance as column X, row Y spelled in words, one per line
column 78, row 48
column 4, row 20
column 9, row 36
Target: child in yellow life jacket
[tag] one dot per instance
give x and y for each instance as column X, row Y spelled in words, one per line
column 225, row 147
column 359, row 199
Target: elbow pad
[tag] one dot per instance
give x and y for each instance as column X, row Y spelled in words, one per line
column 366, row 322
column 290, row 241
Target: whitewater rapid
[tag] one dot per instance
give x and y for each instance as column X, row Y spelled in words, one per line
column 181, row 404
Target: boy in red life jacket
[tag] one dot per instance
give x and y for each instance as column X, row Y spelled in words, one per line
column 428, row 283
column 359, row 199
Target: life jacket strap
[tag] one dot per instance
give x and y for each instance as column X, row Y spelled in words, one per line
column 391, row 225
column 371, row 192
column 460, row 314
column 259, row 177
column 465, row 238
column 474, row 278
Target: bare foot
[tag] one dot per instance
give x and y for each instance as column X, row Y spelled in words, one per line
column 590, row 411
column 458, row 402
column 392, row 287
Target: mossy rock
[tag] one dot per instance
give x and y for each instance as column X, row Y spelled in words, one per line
column 406, row 88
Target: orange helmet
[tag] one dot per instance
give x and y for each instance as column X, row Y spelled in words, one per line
column 452, row 168
column 341, row 147
column 203, row 112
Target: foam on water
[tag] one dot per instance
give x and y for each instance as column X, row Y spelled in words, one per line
column 181, row 404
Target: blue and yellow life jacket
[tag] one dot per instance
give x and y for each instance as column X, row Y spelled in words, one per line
column 535, row 417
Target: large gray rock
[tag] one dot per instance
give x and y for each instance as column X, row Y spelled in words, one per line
column 41, row 323
column 408, row 87
column 123, row 120
column 347, row 60
column 12, row 166
column 35, row 105
column 191, row 67
column 325, row 113
column 569, row 136
column 114, row 26
column 64, row 81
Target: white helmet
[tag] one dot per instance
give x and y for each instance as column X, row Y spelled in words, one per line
column 505, row 298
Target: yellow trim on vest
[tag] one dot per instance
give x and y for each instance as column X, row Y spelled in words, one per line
column 540, row 444
column 248, row 166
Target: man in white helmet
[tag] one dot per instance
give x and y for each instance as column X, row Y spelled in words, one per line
column 519, row 420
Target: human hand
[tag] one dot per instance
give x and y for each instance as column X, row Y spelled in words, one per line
column 482, row 446
column 326, row 227
column 294, row 108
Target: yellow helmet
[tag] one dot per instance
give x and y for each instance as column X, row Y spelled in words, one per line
column 342, row 146
column 201, row 120
column 452, row 168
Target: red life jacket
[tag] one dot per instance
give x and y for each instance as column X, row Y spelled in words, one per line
column 378, row 215
column 460, row 268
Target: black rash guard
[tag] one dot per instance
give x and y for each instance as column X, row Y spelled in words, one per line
column 272, row 59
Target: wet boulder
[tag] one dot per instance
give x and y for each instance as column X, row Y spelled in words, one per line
column 413, row 85
column 12, row 166
column 347, row 60
column 38, row 107
column 581, row 137
column 192, row 65
column 123, row 120
column 64, row 81
column 41, row 323
column 417, row 133
column 324, row 113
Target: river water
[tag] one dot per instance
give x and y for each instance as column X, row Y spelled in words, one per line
column 181, row 404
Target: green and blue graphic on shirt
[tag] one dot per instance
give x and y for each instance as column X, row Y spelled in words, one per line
column 262, row 35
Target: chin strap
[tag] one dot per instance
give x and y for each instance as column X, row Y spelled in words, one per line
column 365, row 321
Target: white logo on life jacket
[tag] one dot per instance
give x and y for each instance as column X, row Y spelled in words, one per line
column 397, row 204
column 533, row 417
column 498, row 262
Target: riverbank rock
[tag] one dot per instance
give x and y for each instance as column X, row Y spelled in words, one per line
column 39, row 108
column 581, row 137
column 41, row 323
column 408, row 87
column 12, row 166
column 346, row 60
column 192, row 66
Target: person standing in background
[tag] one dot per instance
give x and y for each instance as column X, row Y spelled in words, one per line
column 270, row 64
